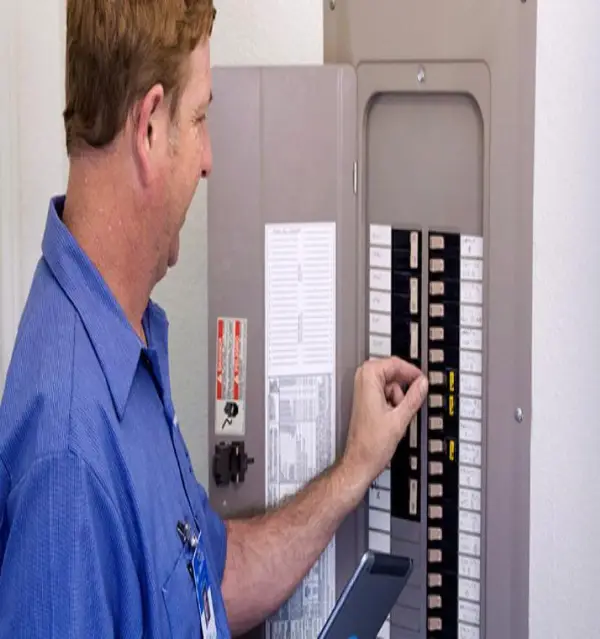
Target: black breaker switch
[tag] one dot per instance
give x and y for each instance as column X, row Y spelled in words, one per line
column 230, row 463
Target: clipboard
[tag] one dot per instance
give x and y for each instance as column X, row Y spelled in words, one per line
column 368, row 597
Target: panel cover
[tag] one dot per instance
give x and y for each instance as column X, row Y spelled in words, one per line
column 282, row 264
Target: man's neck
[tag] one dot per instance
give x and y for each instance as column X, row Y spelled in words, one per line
column 100, row 212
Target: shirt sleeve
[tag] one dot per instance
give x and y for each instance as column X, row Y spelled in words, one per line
column 216, row 533
column 66, row 571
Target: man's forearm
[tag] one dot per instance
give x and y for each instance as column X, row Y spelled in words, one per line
column 268, row 555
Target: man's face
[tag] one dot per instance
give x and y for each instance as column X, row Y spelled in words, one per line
column 181, row 157
column 191, row 157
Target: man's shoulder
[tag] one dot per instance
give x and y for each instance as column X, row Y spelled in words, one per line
column 40, row 375
column 41, row 382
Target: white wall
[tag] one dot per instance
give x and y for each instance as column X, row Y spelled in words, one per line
column 8, row 177
column 32, row 153
column 565, row 562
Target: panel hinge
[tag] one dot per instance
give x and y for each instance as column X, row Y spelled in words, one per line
column 355, row 178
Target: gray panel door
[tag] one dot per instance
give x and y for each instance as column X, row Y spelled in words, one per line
column 284, row 143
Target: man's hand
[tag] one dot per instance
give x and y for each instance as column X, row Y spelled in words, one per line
column 387, row 395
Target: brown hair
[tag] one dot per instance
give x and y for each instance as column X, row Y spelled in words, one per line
column 117, row 50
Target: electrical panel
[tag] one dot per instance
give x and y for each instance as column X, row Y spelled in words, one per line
column 381, row 204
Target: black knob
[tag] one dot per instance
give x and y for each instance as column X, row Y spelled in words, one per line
column 222, row 464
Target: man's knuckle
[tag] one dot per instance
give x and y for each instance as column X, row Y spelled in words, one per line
column 371, row 366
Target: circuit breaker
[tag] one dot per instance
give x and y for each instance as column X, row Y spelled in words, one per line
column 381, row 204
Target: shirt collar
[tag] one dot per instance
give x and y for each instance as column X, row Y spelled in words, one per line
column 116, row 344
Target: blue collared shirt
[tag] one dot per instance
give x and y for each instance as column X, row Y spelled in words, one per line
column 94, row 472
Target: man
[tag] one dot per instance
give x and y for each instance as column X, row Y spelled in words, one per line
column 104, row 531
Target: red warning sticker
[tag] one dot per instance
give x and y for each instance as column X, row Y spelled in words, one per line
column 230, row 389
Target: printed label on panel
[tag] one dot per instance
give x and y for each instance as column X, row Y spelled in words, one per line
column 230, row 390
column 300, row 396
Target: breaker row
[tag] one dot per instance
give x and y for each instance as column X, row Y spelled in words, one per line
column 454, row 407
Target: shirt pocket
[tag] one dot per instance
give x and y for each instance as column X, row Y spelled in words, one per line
column 179, row 594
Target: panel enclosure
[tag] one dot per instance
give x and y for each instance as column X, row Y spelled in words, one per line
column 432, row 261
column 445, row 136
column 284, row 143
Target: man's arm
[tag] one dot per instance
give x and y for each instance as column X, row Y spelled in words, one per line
column 269, row 555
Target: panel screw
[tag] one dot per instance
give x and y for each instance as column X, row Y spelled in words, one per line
column 421, row 75
column 332, row 5
column 519, row 415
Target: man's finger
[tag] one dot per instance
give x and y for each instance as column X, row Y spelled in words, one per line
column 413, row 400
column 394, row 394
column 394, row 369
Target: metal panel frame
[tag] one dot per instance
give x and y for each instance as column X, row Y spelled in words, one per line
column 487, row 51
column 502, row 36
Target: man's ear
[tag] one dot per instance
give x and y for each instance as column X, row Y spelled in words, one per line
column 146, row 130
